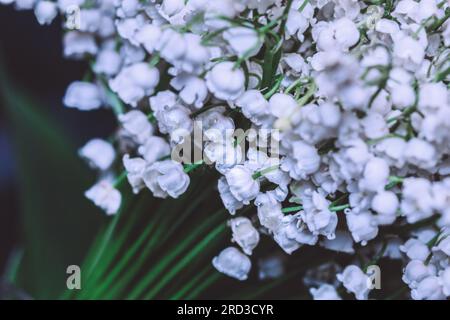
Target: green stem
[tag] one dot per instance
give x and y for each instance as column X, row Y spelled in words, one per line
column 292, row 209
column 393, row 181
column 190, row 167
column 171, row 255
column 311, row 90
column 205, row 284
column 259, row 174
column 191, row 284
column 120, row 179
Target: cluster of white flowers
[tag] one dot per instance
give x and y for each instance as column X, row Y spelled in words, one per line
column 357, row 91
column 428, row 271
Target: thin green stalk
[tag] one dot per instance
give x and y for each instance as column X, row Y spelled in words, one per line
column 124, row 260
column 190, row 284
column 167, row 259
column 292, row 209
column 261, row 173
column 205, row 284
column 309, row 93
column 185, row 261
column 339, row 208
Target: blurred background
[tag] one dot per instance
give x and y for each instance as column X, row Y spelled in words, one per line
column 31, row 61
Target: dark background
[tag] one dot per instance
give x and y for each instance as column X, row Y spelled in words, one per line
column 31, row 57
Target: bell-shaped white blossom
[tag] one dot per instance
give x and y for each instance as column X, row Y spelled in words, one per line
column 84, row 96
column 137, row 125
column 385, row 203
column 242, row 184
column 325, row 292
column 166, row 178
column 255, row 108
column 355, row 281
column 233, row 263
column 77, row 45
column 244, row 234
column 229, row 201
column 104, row 195
column 45, row 12
column 244, row 42
column 269, row 211
column 99, row 154
column 225, row 82
column 135, row 82
column 363, row 226
column 135, row 168
column 429, row 288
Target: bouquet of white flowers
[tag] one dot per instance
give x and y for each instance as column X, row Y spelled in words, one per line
column 330, row 119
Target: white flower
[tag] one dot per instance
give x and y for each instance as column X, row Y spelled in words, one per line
column 193, row 90
column 244, row 234
column 376, row 175
column 415, row 249
column 229, row 201
column 433, row 96
column 225, row 82
column 317, row 216
column 428, row 289
column 343, row 242
column 242, row 185
column 172, row 7
column 22, row 4
column 233, row 263
column 171, row 45
column 421, row 153
column 77, row 45
column 355, row 281
column 137, row 125
column 363, row 226
column 84, row 96
column 99, row 153
column 293, row 233
column 245, row 42
column 269, row 211
column 135, row 168
column 338, row 35
column 108, row 62
column 325, row 292
column 195, row 56
column 135, row 82
column 105, row 196
column 417, row 201
column 255, row 108
column 282, row 107
column 415, row 272
column 148, row 36
column 166, row 178
column 130, row 7
column 224, row 154
column 445, row 280
column 408, row 50
column 45, row 12
column 375, row 126
column 304, row 161
column 393, row 150
column 175, row 121
column 289, row 245
column 403, row 95
column 385, row 203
